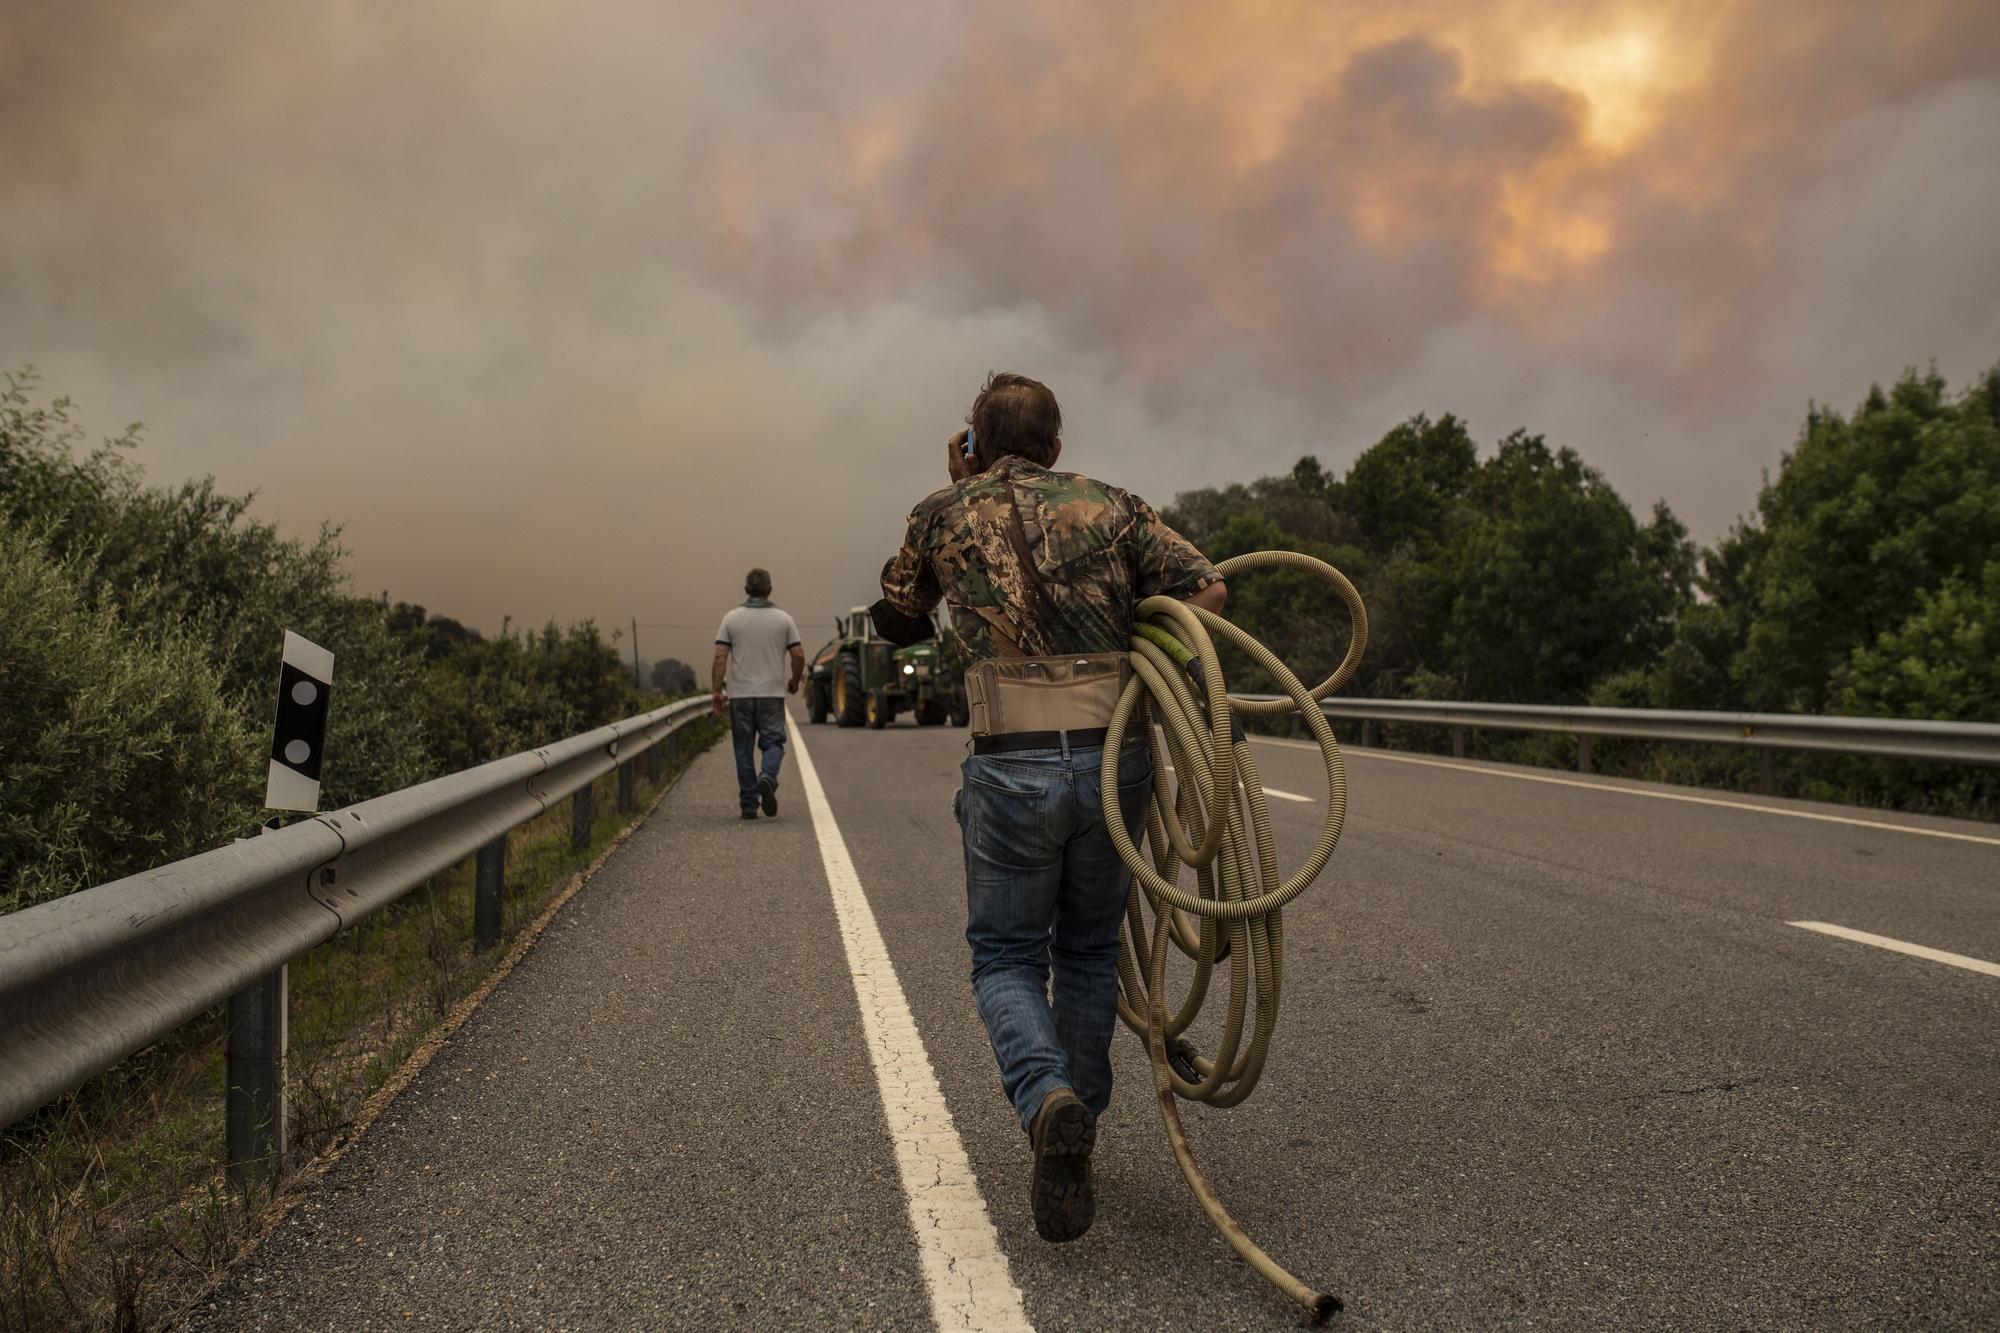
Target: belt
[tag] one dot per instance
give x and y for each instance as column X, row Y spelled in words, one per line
column 1039, row 740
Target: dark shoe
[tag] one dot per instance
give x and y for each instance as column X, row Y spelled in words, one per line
column 1181, row 1055
column 769, row 791
column 1064, row 1201
column 749, row 812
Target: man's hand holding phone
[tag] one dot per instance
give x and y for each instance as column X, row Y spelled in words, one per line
column 959, row 459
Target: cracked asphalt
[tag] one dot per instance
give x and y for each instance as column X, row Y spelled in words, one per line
column 1550, row 1057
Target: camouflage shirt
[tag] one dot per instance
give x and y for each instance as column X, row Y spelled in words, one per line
column 1099, row 550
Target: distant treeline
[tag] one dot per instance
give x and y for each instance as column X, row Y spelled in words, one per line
column 139, row 631
column 1866, row 582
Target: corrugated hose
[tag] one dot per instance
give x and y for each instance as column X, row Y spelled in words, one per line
column 1197, row 821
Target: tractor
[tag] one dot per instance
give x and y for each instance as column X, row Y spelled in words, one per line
column 861, row 677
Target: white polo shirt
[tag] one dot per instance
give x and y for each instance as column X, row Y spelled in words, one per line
column 759, row 637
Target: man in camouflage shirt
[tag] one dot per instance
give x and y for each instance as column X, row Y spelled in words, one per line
column 1037, row 563
column 1098, row 551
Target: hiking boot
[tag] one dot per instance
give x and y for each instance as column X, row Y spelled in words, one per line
column 749, row 812
column 1064, row 1201
column 769, row 791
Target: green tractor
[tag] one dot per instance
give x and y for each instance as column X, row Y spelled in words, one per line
column 861, row 677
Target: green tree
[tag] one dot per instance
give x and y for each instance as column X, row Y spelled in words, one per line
column 435, row 636
column 1553, row 583
column 673, row 676
column 1403, row 487
column 1299, row 503
column 1865, row 515
column 1523, row 578
column 1291, row 612
column 1399, row 496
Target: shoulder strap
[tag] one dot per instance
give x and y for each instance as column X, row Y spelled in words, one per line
column 1015, row 529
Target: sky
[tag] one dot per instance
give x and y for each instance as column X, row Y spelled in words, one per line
column 582, row 310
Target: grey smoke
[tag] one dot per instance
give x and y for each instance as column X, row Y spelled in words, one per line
column 584, row 310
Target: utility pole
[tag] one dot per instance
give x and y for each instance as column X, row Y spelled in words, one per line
column 636, row 682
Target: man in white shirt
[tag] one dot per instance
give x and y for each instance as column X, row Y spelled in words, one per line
column 751, row 648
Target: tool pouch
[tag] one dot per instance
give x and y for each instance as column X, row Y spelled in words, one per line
column 1011, row 694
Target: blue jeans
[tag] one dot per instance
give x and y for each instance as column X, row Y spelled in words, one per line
column 758, row 723
column 1043, row 883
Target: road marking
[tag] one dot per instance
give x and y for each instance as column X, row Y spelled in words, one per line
column 970, row 1284
column 1636, row 791
column 1268, row 791
column 1901, row 946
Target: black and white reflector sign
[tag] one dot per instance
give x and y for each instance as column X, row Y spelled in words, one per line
column 304, row 681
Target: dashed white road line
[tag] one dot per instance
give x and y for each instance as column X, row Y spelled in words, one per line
column 1901, row 946
column 1270, row 791
column 970, row 1285
column 1640, row 791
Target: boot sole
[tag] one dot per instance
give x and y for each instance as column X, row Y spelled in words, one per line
column 1065, row 1200
column 770, row 795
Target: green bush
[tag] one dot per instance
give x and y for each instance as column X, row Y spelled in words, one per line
column 122, row 751
column 181, row 590
column 1942, row 663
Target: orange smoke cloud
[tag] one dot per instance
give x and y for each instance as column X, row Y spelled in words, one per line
column 1516, row 153
column 1215, row 96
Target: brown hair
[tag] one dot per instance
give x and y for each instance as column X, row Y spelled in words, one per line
column 1015, row 415
column 757, row 583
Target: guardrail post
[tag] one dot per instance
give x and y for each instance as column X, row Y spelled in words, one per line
column 1583, row 754
column 1458, row 742
column 627, row 802
column 1367, row 733
column 581, row 817
column 254, row 1108
column 653, row 764
column 1767, row 771
column 674, row 746
column 489, row 888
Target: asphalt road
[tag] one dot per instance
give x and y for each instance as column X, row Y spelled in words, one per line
column 1550, row 1057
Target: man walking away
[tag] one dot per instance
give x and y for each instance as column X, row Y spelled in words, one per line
column 751, row 646
column 1042, row 570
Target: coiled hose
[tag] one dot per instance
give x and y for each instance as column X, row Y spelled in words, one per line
column 1197, row 821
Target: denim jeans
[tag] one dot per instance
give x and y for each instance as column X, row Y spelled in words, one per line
column 1044, row 884
column 758, row 723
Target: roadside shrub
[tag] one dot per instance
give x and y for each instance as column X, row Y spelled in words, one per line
column 121, row 749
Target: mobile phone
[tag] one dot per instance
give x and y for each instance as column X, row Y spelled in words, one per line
column 968, row 442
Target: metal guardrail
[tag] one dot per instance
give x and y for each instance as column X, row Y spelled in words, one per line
column 1886, row 738
column 87, row 979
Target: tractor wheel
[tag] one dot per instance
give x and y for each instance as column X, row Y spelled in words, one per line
column 820, row 705
column 880, row 711
column 961, row 710
column 847, row 698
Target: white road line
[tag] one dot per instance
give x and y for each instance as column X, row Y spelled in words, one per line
column 1901, row 946
column 970, row 1284
column 1271, row 791
column 1636, row 791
